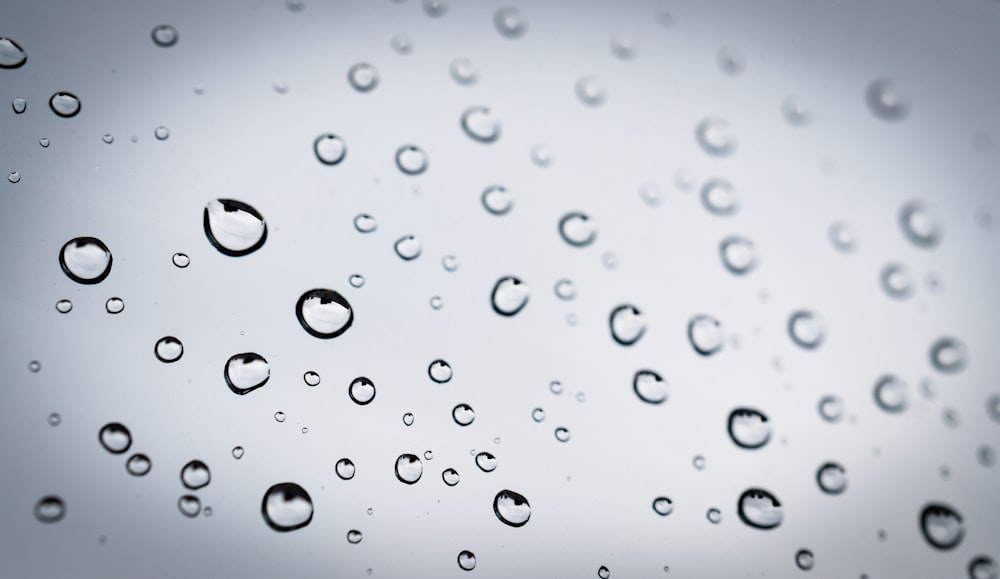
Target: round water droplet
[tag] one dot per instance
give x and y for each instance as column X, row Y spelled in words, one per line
column 806, row 329
column 466, row 560
column 921, row 224
column 949, row 355
column 279, row 416
column 329, row 149
column 541, row 155
column 463, row 414
column 238, row 452
column 161, row 133
column 361, row 390
column 85, row 260
column 565, row 289
column 511, row 508
column 481, row 124
column 165, row 35
column 246, row 372
column 54, row 419
column 286, row 507
column 463, row 71
column 195, row 475
column 450, row 477
column 168, row 349
column 627, row 324
column 760, row 509
column 345, row 468
column 623, row 47
column 356, row 280
column 603, row 572
column 715, row 136
column 831, row 408
column 408, row 419
column 14, row 177
column 510, row 22
column 577, row 229
column 731, row 60
column 50, row 508
column 114, row 305
column 311, row 378
column 896, row 281
column 509, row 296
column 843, row 237
column 983, row 567
column 804, row 559
column 497, row 200
column 714, row 516
column 831, row 478
column 705, row 334
column 591, row 91
column 538, row 415
column 64, row 306
column 796, row 112
column 556, row 387
column 324, row 313
column 138, row 465
column 115, row 438
column 942, row 526
column 562, row 434
column 486, row 462
column 408, row 247
column 749, row 428
column 885, row 101
column 719, row 197
column 401, row 44
column 34, row 366
column 891, row 394
column 181, row 260
column 363, row 77
column 11, row 54
column 409, row 468
column 650, row 387
column 64, row 104
column 439, row 371
column 436, row 302
column 738, row 254
column 651, row 194
column 354, row 536
column 19, row 105
column 189, row 506
column 411, row 159
column 365, row 223
column 663, row 506
column 233, row 227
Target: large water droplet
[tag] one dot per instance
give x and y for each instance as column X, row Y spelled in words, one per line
column 467, row 560
column 885, row 101
column 760, row 509
column 804, row 559
column 831, row 478
column 663, row 506
column 361, row 390
column 627, row 324
column 705, row 334
column 806, row 329
column 511, row 508
column 233, row 227
column 189, row 506
column 486, row 462
column 411, row 159
column 738, row 254
column 324, row 313
column 481, row 124
column 11, row 54
column 246, row 372
column 715, row 137
column 577, row 229
column 330, row 149
column 138, row 465
column 497, row 200
column 509, row 296
column 168, row 349
column 719, row 197
column 749, row 428
column 65, row 104
column 115, row 438
column 649, row 387
column 949, row 355
column 50, row 508
column 165, row 35
column 286, row 507
column 85, row 260
column 510, row 22
column 591, row 91
column 942, row 526
column 921, row 224
column 195, row 475
column 408, row 247
column 363, row 77
column 891, row 394
column 409, row 468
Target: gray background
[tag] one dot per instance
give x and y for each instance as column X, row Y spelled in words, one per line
column 591, row 496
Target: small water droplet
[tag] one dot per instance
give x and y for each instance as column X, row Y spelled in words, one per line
column 511, row 508
column 715, row 136
column 983, row 567
column 165, row 35
column 138, row 465
column 54, row 419
column 562, row 434
column 891, row 394
column 986, row 456
column 14, row 177
column 941, row 526
column 714, row 516
column 463, row 71
column 409, row 469
column 565, row 289
column 43, row 142
column 363, row 77
column 361, row 390
column 509, row 296
column 356, row 280
column 450, row 477
column 168, row 349
column 738, row 254
column 843, row 237
column 34, row 366
column 806, row 329
column 161, row 133
column 760, row 509
column 411, row 159
column 408, row 247
column 279, row 416
column 749, row 428
column 650, row 387
column 577, row 229
column 408, row 419
column 831, row 408
column 329, row 149
column 541, row 155
column 354, row 536
column 439, row 371
column 181, row 260
column 324, row 313
column 896, row 281
column 719, row 197
column 466, row 560
column 195, row 475
column 115, row 438
column 538, row 414
column 486, row 462
column 64, row 306
column 591, row 91
column 497, row 200
column 663, row 506
column 831, row 478
column 623, row 47
column 237, row 452
column 463, row 414
column 50, row 508
column 287, row 507
column 804, row 559
column 921, row 224
column 436, row 302
column 85, row 260
column 401, row 43
column 731, row 61
column 705, row 334
column 114, row 305
column 603, row 572
column 651, row 194
column 11, row 54
column 233, row 227
column 246, row 372
column 885, row 101
column 189, row 506
column 949, row 355
column 481, row 124
column 796, row 112
column 19, row 104
column 365, row 223
column 510, row 22
column 556, row 387
column 108, row 138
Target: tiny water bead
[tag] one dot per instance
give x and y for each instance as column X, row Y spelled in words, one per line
column 556, row 387
column 85, row 260
column 663, row 506
column 463, row 414
column 195, row 475
column 138, row 465
column 279, row 416
column 65, row 104
column 189, row 506
column 466, row 560
column 511, row 508
column 891, row 394
column 234, row 227
column 591, row 91
column 356, row 280
column 731, row 60
column 450, row 477
column 14, row 177
column 114, row 305
column 354, row 536
column 436, row 302
column 486, row 462
column 948, row 355
column 409, row 468
column 565, row 289
column 50, row 509
column 806, row 329
column 286, row 507
column 562, row 434
column 715, row 136
column 538, row 414
column 983, row 567
column 181, row 260
column 365, row 223
column 19, row 105
column 698, row 462
column 749, row 428
column 411, row 159
column 324, row 313
column 627, row 324
column 481, row 124
column 738, row 254
column 603, row 572
column 463, row 71
column 246, row 372
column 238, row 452
column 64, row 306
column 896, row 281
column 164, row 35
column 885, row 101
column 509, row 296
column 804, row 560
column 831, row 478
column 760, row 509
column 831, row 408
column 115, row 438
column 401, row 44
column 651, row 194
column 510, row 22
column 796, row 112
column 408, row 247
column 719, row 197
column 361, row 390
column 311, row 378
column 54, row 419
column 705, row 334
column 34, row 366
column 329, row 149
column 11, row 54
column 714, row 516
column 541, row 155
column 449, row 263
column 345, row 468
column 843, row 236
column 161, row 133
column 921, row 224
column 941, row 526
column 363, row 77
column 439, row 371
column 408, row 419
column 168, row 349
column 577, row 229
column 650, row 387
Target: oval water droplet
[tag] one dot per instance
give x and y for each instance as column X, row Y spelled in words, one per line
column 356, row 280
column 345, row 468
column 715, row 136
column 54, row 419
column 64, row 306
column 161, row 133
column 949, row 355
column 983, row 567
column 577, row 229
column 64, row 104
column 806, row 328
column 164, row 35
column 34, row 366
column 627, row 324
column 509, row 296
column 511, row 508
column 408, row 247
column 286, row 507
column 168, row 349
column 408, row 419
column 138, row 465
column 921, row 224
column 311, row 378
column 354, row 536
column 329, row 149
column 181, row 260
column 705, row 334
column 361, row 390
column 233, row 227
column 942, row 526
column 760, row 509
column 463, row 414
column 14, row 177
column 591, row 91
column 891, row 394
column 497, row 200
column 663, row 506
column 565, row 289
column 541, row 155
column 19, row 105
column 486, row 462
column 324, row 313
column 466, row 560
column 698, row 462
column 738, row 254
column 831, row 408
column 831, row 478
column 238, row 452
column 450, row 477
column 896, row 281
column 439, row 371
column 650, row 387
column 43, row 142
column 714, row 516
column 804, row 559
column 189, row 506
column 719, row 197
column 246, row 372
column 363, row 77
column 538, row 415
column 409, row 468
column 885, row 100
column 411, row 159
column 843, row 237
column 11, row 54
column 195, row 475
column 481, row 124
column 562, row 434
column 86, row 260
column 50, row 508
column 749, row 428
column 603, row 572
column 510, row 22
column 115, row 438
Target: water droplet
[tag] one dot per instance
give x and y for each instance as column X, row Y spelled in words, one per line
column 181, row 260
column 363, row 77
column 164, row 35
column 714, row 516
column 509, row 296
column 806, row 329
column 565, row 289
column 986, row 455
column 85, row 260
column 345, row 468
column 749, row 428
column 738, row 254
column 43, row 142
column 449, row 263
column 14, row 177
column 401, row 44
column 408, row 419
column 114, row 305
column 311, row 378
column 161, row 133
column 538, row 415
column 481, row 124
column 324, row 313
column 286, row 507
column 497, row 200
column 436, row 302
column 577, row 229
column 649, row 387
column 623, row 47
column 796, row 112
column 885, row 101
column 486, row 462
column 361, row 390
column 138, row 465
column 54, row 419
column 942, row 526
column 556, row 387
column 983, row 567
column 627, row 324
column 450, row 477
column 428, row 455
column 11, row 54
column 511, row 508
column 541, row 155
column 279, row 416
column 439, row 371
column 409, row 468
column 115, row 438
column 715, row 136
column 510, row 22
column 246, row 372
column 921, row 224
column 411, row 159
column 34, row 366
column 466, row 560
column 843, row 237
column 108, row 138
column 50, row 508
column 233, row 227
column 719, row 197
column 354, row 536
column 64, row 104
column 731, row 60
column 463, row 414
column 663, row 506
column 168, row 349
column 651, row 194
column 562, row 434
column 329, row 149
column 463, row 71
column 804, row 559
column 831, row 478
column 195, row 475
column 831, row 408
column 949, row 355
column 238, row 452
column 295, row 5
column 891, row 394
column 603, row 572
column 19, row 104
column 64, row 306
column 896, row 281
column 408, row 247
column 365, row 223
column 591, row 91
column 189, row 505
column 760, row 509
column 705, row 334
